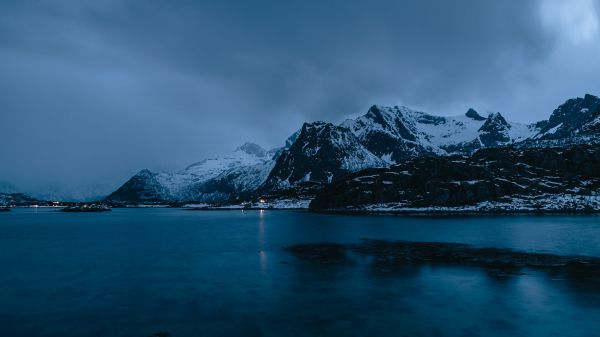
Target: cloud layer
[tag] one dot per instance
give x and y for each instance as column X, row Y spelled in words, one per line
column 94, row 91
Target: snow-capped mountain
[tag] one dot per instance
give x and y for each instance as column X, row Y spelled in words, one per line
column 575, row 116
column 210, row 180
column 399, row 133
column 321, row 152
column 324, row 152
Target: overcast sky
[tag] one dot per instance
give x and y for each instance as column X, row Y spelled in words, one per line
column 93, row 91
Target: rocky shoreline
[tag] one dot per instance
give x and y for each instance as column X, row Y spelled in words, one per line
column 86, row 209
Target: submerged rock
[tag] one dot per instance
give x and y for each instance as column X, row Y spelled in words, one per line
column 395, row 254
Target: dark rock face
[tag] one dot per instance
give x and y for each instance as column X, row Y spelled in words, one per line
column 494, row 132
column 143, row 187
column 569, row 118
column 472, row 113
column 592, row 126
column 387, row 132
column 323, row 152
column 494, row 174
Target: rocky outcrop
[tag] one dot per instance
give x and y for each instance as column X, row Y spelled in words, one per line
column 472, row 113
column 494, row 174
column 495, row 131
column 569, row 118
column 322, row 152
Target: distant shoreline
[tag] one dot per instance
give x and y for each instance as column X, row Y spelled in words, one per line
column 357, row 211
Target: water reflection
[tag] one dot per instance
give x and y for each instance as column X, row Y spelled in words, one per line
column 261, row 241
column 138, row 272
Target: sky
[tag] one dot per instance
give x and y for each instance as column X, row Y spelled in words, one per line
column 93, row 91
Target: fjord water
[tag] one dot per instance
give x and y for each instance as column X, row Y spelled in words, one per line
column 137, row 272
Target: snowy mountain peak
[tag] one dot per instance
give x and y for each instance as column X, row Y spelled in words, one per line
column 495, row 131
column 472, row 113
column 321, row 152
column 291, row 139
column 569, row 118
column 495, row 118
column 313, row 126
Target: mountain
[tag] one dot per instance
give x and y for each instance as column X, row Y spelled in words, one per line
column 324, row 152
column 70, row 193
column 321, row 153
column 17, row 199
column 570, row 119
column 532, row 179
column 399, row 133
column 210, row 180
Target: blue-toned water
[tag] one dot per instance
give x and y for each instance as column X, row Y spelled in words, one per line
column 137, row 272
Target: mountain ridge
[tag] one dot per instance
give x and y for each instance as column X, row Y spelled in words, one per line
column 322, row 152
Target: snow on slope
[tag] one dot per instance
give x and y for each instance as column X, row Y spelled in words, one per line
column 248, row 161
column 210, row 180
column 398, row 133
column 321, row 152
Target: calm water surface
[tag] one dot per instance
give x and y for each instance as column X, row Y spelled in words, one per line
column 137, row 272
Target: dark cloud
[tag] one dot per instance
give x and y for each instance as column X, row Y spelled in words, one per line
column 94, row 91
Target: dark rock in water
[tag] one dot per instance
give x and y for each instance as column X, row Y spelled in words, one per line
column 160, row 334
column 320, row 252
column 394, row 254
column 494, row 174
column 86, row 208
column 4, row 209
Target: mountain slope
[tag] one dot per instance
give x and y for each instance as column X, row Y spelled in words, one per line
column 399, row 133
column 211, row 180
column 568, row 119
column 18, row 199
column 322, row 152
column 490, row 175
